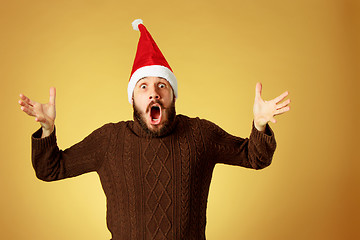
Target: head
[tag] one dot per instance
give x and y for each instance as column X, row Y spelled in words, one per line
column 154, row 105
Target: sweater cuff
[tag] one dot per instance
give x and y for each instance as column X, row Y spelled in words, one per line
column 267, row 135
column 39, row 143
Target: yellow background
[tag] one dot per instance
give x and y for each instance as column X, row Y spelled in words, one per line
column 218, row 51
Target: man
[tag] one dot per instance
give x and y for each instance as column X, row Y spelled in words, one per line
column 155, row 170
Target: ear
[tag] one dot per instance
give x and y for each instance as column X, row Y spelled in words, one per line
column 173, row 93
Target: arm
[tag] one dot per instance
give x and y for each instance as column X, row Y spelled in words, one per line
column 51, row 163
column 255, row 152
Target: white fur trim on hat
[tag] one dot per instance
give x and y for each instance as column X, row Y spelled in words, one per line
column 135, row 24
column 152, row 71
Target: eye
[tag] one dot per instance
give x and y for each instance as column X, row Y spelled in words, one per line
column 143, row 86
column 162, row 85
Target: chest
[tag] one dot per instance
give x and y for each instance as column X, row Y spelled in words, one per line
column 160, row 163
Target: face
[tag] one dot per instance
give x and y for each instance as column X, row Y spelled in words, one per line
column 154, row 104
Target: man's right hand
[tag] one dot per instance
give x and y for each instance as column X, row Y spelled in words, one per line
column 44, row 113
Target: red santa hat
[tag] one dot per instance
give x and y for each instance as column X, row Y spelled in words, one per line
column 149, row 61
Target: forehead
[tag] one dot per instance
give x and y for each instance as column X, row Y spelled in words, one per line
column 151, row 79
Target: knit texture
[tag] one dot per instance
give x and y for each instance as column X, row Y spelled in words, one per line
column 156, row 188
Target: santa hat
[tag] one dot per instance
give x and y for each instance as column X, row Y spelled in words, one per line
column 149, row 61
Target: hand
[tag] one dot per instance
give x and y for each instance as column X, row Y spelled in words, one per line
column 264, row 111
column 44, row 113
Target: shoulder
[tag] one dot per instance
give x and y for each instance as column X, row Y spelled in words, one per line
column 187, row 121
column 193, row 120
column 109, row 128
column 200, row 124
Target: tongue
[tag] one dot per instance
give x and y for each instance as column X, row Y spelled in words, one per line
column 155, row 113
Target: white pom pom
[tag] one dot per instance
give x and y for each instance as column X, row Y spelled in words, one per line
column 136, row 23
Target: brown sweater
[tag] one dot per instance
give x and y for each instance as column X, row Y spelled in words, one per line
column 156, row 188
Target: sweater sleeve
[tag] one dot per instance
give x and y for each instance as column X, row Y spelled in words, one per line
column 50, row 163
column 255, row 152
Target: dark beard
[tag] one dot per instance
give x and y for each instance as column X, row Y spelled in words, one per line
column 171, row 114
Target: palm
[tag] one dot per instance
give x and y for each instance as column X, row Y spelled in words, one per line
column 264, row 111
column 44, row 113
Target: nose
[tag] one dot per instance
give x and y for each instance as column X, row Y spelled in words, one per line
column 154, row 95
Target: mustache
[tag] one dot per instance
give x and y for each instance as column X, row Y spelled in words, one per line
column 152, row 103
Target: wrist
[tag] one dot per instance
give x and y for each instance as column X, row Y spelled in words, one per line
column 47, row 131
column 260, row 127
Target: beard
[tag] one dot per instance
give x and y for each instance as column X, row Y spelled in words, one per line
column 165, row 127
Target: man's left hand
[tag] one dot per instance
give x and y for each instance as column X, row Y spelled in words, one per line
column 264, row 111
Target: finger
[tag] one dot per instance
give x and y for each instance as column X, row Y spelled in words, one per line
column 282, row 110
column 26, row 99
column 23, row 103
column 52, row 96
column 40, row 119
column 28, row 111
column 281, row 97
column 284, row 104
column 258, row 90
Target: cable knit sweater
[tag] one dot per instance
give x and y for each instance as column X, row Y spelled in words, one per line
column 156, row 188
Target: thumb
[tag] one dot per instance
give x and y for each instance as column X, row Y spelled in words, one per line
column 52, row 96
column 258, row 90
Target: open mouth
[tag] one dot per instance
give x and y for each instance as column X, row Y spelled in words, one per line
column 155, row 114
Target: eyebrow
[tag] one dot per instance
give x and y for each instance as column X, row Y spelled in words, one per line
column 161, row 80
